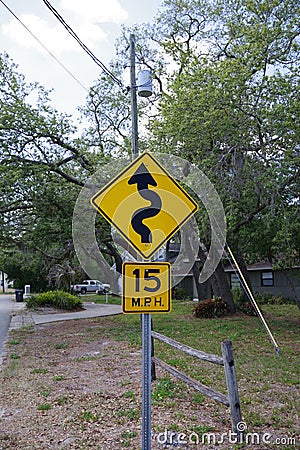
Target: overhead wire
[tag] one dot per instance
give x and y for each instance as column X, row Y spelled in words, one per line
column 44, row 47
column 82, row 45
column 249, row 294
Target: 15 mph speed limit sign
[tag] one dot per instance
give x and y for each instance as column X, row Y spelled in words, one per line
column 146, row 287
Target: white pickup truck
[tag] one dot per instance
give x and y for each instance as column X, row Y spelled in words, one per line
column 90, row 286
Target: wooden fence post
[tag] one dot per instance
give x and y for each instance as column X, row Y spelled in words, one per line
column 232, row 387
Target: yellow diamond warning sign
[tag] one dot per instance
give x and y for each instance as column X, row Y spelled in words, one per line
column 146, row 287
column 145, row 204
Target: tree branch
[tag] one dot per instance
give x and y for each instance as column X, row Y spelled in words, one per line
column 267, row 203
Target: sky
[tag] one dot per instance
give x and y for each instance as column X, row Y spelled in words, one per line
column 97, row 23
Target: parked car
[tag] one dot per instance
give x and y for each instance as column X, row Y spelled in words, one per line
column 90, row 286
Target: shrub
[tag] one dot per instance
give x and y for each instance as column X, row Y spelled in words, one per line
column 242, row 302
column 57, row 299
column 211, row 308
column 266, row 298
column 179, row 293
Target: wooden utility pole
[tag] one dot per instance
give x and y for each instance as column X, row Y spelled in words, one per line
column 133, row 87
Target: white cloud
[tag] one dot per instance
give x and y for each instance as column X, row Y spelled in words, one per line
column 54, row 38
column 96, row 11
column 83, row 16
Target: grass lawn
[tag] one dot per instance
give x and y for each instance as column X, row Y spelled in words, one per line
column 255, row 357
column 95, row 298
column 268, row 384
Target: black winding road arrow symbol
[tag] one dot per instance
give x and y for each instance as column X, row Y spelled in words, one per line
column 143, row 178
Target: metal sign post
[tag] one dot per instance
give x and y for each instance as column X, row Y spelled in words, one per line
column 146, row 289
column 146, row 382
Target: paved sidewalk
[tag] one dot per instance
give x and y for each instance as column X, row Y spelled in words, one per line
column 91, row 310
column 20, row 317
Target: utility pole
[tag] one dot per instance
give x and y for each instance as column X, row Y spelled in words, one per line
column 133, row 87
column 145, row 318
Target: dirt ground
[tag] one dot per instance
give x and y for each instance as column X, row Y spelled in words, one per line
column 68, row 385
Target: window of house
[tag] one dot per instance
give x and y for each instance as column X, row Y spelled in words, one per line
column 234, row 281
column 267, row 279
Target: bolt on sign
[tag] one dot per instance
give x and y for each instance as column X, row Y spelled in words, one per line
column 146, row 287
column 145, row 204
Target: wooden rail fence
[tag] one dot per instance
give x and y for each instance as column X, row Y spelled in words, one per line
column 226, row 360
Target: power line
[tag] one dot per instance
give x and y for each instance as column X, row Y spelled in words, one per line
column 44, row 47
column 82, row 45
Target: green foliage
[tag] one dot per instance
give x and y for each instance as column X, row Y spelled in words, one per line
column 179, row 294
column 14, row 342
column 39, row 370
column 230, row 107
column 58, row 378
column 57, row 299
column 61, row 400
column 23, row 268
column 165, row 388
column 242, row 302
column 129, row 394
column 129, row 413
column 267, row 298
column 41, row 168
column 211, row 308
column 88, row 416
column 44, row 407
column 61, row 345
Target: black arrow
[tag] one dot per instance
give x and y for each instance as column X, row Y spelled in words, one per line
column 143, row 178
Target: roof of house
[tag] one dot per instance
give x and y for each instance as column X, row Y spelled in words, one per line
column 263, row 265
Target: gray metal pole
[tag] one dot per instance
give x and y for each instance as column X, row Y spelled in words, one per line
column 146, row 387
column 134, row 115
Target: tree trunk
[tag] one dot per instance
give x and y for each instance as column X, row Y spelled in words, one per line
column 224, row 288
column 202, row 288
column 219, row 284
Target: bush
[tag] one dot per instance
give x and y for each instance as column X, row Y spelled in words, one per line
column 242, row 302
column 57, row 299
column 266, row 298
column 179, row 294
column 211, row 308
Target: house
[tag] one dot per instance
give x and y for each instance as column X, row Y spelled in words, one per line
column 263, row 278
column 266, row 279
